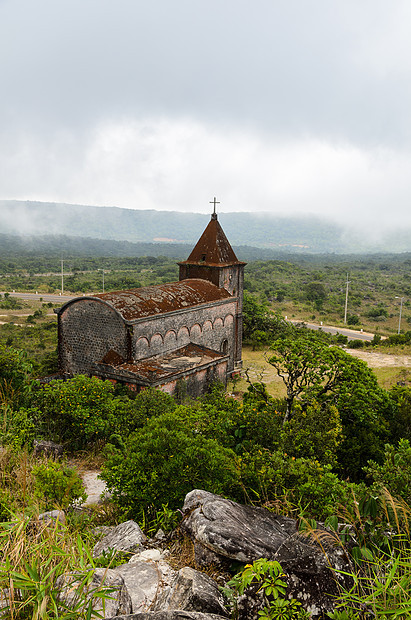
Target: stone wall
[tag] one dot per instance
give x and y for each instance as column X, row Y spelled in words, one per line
column 88, row 329
column 198, row 382
column 211, row 326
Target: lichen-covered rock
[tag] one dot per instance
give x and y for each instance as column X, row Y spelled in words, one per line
column 224, row 530
column 126, row 537
column 192, row 591
column 48, row 449
column 145, row 581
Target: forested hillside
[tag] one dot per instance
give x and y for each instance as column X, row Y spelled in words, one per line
column 279, row 232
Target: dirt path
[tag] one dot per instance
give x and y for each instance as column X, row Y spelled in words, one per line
column 94, row 486
column 380, row 360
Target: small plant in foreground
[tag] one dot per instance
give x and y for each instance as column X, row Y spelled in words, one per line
column 36, row 557
column 269, row 578
column 381, row 568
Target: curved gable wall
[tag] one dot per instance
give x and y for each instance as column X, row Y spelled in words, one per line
column 88, row 329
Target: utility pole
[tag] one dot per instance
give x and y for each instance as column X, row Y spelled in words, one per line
column 62, row 277
column 399, row 321
column 102, row 270
column 346, row 301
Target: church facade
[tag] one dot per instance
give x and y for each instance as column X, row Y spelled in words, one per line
column 183, row 333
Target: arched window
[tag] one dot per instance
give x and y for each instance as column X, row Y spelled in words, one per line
column 224, row 347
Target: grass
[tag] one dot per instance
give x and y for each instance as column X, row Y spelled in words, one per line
column 255, row 362
column 389, row 376
column 259, row 370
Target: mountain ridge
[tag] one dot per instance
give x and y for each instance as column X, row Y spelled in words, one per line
column 276, row 232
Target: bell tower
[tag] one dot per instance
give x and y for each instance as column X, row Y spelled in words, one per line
column 213, row 259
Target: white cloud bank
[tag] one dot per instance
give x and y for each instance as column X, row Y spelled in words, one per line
column 181, row 164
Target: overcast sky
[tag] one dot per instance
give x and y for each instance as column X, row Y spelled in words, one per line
column 282, row 106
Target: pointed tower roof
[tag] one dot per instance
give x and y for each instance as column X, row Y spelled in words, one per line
column 213, row 247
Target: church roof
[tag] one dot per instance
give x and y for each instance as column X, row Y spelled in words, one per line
column 147, row 301
column 213, row 247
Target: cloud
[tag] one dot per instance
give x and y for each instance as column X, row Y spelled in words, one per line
column 181, row 164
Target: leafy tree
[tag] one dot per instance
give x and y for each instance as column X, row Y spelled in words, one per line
column 394, row 473
column 314, row 432
column 401, row 422
column 305, row 367
column 316, row 293
column 260, row 324
column 313, row 371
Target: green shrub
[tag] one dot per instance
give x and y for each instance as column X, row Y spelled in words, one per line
column 395, row 472
column 19, row 427
column 268, row 578
column 303, row 484
column 77, row 412
column 314, row 432
column 356, row 344
column 15, row 376
column 131, row 414
column 58, row 485
column 165, row 460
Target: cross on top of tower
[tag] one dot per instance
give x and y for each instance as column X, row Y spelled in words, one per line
column 214, row 202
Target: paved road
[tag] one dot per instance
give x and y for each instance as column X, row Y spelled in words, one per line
column 351, row 334
column 55, row 299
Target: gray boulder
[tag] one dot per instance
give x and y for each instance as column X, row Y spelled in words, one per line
column 49, row 449
column 126, row 537
column 154, row 586
column 223, row 530
column 192, row 591
column 144, row 581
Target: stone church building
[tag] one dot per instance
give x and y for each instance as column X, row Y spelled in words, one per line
column 160, row 336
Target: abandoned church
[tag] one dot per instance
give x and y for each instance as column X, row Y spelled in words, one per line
column 161, row 336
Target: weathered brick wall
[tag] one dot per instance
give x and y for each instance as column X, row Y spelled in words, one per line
column 88, row 329
column 210, row 326
column 199, row 382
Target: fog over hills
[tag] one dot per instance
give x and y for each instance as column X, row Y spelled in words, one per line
column 272, row 233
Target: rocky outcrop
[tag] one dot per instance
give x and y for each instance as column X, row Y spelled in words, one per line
column 153, row 585
column 147, row 587
column 223, row 530
column 192, row 591
column 49, row 449
column 126, row 537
